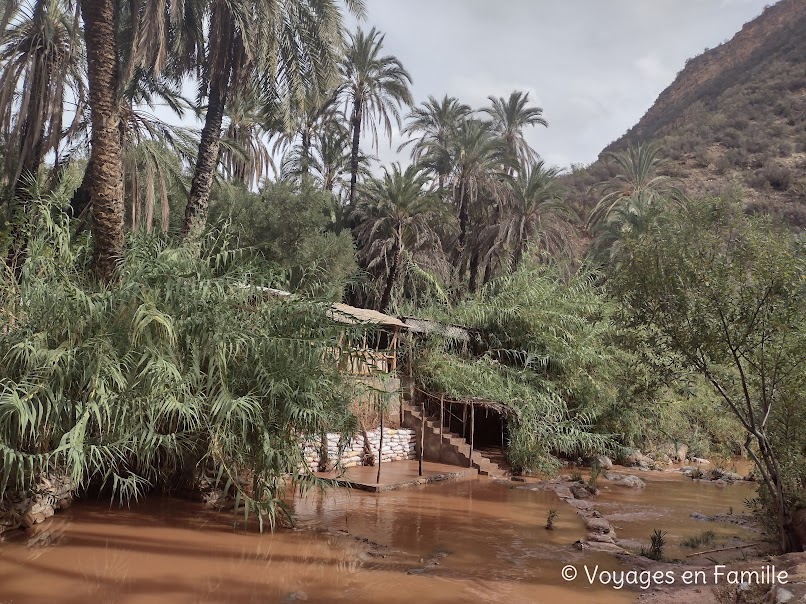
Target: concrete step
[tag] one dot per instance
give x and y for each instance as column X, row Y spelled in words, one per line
column 412, row 415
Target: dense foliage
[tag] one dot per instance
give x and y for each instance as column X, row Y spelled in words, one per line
column 540, row 345
column 725, row 293
column 178, row 368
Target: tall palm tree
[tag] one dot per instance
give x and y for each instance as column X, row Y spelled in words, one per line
column 534, row 214
column 638, row 178
column 436, row 122
column 327, row 160
column 632, row 216
column 479, row 160
column 510, row 117
column 374, row 87
column 105, row 167
column 395, row 216
column 289, row 47
column 245, row 156
column 41, row 66
column 316, row 117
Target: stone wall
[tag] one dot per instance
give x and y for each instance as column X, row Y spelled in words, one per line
column 21, row 511
column 398, row 445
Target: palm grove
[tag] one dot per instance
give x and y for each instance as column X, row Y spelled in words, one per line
column 138, row 352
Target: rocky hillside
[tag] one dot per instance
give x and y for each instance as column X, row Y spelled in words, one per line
column 733, row 120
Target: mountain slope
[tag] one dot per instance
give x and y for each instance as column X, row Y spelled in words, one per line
column 734, row 120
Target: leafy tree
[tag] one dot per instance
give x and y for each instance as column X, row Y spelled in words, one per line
column 374, row 86
column 725, row 293
column 294, row 230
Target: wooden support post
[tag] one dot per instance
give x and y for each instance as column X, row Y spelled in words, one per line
column 464, row 421
column 422, row 437
column 441, row 418
column 380, row 450
column 472, row 427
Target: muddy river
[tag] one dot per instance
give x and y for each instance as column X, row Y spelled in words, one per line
column 469, row 541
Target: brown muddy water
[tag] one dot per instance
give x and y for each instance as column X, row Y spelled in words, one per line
column 667, row 503
column 469, row 541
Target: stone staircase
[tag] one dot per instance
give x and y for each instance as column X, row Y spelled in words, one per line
column 453, row 449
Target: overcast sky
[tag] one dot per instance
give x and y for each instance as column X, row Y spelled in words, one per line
column 594, row 66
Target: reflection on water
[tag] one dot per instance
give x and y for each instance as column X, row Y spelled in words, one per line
column 457, row 542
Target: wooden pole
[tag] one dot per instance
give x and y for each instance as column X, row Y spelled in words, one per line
column 464, row 421
column 380, row 449
column 472, row 428
column 422, row 437
column 441, row 418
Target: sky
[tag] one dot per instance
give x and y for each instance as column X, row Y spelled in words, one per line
column 594, row 66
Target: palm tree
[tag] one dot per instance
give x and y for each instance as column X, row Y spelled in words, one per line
column 395, row 217
column 327, row 160
column 632, row 216
column 41, row 65
column 638, row 178
column 479, row 161
column 374, row 87
column 105, row 167
column 245, row 155
column 436, row 122
column 288, row 47
column 510, row 117
column 534, row 214
column 317, row 117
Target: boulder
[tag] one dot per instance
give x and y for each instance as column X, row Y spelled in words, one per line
column 604, row 462
column 625, row 480
column 597, row 525
column 600, row 537
column 631, row 457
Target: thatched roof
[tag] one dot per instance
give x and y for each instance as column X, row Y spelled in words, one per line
column 474, row 401
column 429, row 326
column 344, row 313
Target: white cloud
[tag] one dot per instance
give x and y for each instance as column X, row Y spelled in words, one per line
column 652, row 68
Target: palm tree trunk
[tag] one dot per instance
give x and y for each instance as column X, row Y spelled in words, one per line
column 306, row 153
column 390, row 280
column 474, row 272
column 463, row 215
column 520, row 250
column 207, row 156
column 357, row 109
column 106, row 166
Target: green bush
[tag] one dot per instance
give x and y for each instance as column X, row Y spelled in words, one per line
column 178, row 366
